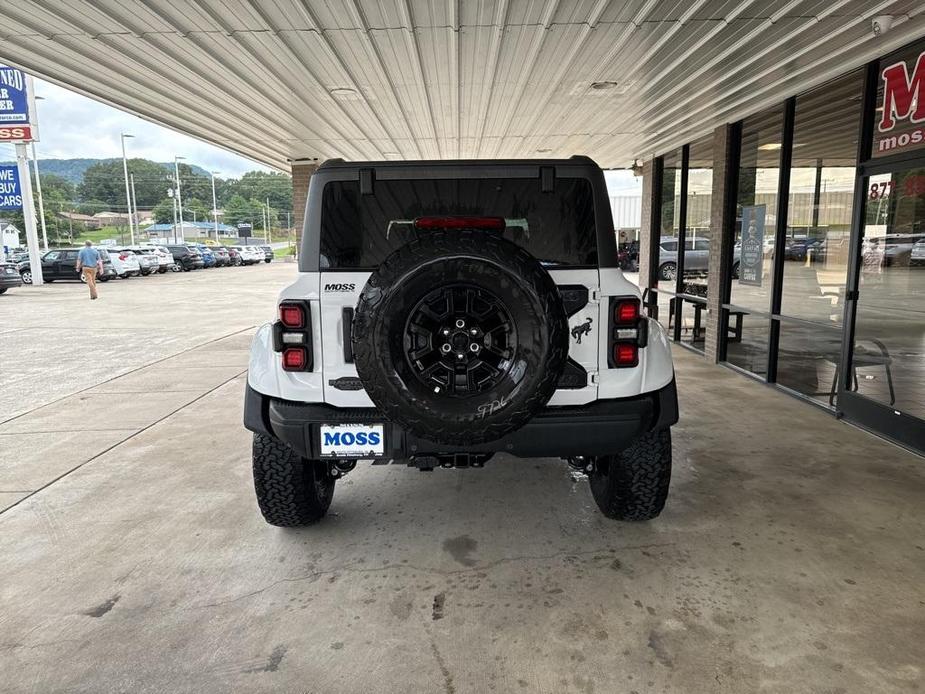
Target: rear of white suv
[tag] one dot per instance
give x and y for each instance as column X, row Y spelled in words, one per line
column 447, row 311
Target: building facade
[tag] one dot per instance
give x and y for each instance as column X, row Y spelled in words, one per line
column 790, row 245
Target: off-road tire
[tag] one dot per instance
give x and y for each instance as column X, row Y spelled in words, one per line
column 468, row 258
column 291, row 491
column 633, row 485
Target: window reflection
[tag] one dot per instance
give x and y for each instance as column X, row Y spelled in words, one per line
column 697, row 220
column 821, row 200
column 889, row 348
column 670, row 223
column 756, row 210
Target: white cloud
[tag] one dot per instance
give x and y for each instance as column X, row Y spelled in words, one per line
column 73, row 126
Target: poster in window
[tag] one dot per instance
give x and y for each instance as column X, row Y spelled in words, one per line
column 751, row 254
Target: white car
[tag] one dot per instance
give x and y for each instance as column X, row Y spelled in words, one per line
column 493, row 320
column 147, row 260
column 125, row 263
column 250, row 255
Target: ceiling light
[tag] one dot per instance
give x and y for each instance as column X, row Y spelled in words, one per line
column 606, row 84
column 343, row 91
column 770, row 146
column 543, row 150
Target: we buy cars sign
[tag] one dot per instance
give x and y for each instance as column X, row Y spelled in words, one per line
column 17, row 106
column 10, row 192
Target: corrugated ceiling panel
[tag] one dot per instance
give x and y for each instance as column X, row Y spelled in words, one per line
column 445, row 78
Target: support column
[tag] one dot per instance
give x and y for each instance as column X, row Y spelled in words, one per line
column 301, row 175
column 647, row 223
column 722, row 231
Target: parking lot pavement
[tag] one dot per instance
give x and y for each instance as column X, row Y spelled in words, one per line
column 789, row 558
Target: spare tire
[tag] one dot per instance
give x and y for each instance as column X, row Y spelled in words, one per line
column 460, row 337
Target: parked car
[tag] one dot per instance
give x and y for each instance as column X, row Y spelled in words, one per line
column 61, row 264
column 208, row 257
column 9, row 277
column 267, row 253
column 165, row 259
column 462, row 344
column 234, row 255
column 125, row 262
column 898, row 248
column 917, row 255
column 17, row 257
column 222, row 259
column 249, row 254
column 147, row 261
column 186, row 257
column 696, row 258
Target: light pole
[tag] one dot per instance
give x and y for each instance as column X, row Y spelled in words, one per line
column 214, row 207
column 176, row 172
column 134, row 205
column 173, row 199
column 38, row 188
column 128, row 196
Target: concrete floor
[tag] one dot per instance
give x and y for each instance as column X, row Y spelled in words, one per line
column 790, row 558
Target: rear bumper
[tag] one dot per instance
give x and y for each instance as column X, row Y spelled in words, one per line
column 599, row 428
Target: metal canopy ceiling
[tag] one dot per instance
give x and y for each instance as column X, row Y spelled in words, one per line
column 282, row 80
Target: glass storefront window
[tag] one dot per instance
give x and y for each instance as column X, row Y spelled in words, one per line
column 889, row 347
column 756, row 210
column 669, row 223
column 808, row 355
column 820, row 203
column 747, row 341
column 697, row 230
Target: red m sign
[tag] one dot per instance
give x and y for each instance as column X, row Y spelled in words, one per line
column 903, row 96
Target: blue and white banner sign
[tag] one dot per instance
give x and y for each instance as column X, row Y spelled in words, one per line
column 10, row 191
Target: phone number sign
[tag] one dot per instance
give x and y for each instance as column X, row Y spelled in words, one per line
column 16, row 106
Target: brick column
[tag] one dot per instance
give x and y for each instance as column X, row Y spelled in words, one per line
column 722, row 230
column 301, row 175
column 647, row 224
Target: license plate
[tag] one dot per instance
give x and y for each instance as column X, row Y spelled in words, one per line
column 352, row 440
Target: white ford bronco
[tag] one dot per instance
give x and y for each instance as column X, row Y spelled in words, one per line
column 445, row 311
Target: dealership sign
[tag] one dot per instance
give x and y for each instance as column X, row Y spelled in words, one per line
column 17, row 106
column 901, row 106
column 10, row 192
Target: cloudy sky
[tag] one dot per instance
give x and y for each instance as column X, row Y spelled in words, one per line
column 72, row 126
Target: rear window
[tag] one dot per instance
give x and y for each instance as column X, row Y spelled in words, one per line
column 359, row 231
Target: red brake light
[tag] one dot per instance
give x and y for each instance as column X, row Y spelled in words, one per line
column 493, row 223
column 627, row 312
column 292, row 315
column 294, row 358
column 122, row 256
column 625, row 354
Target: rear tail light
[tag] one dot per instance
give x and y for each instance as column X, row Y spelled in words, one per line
column 292, row 315
column 295, row 358
column 628, row 332
column 292, row 335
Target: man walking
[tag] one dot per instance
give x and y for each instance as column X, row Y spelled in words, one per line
column 88, row 261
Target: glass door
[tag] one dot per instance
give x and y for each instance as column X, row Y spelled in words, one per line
column 883, row 382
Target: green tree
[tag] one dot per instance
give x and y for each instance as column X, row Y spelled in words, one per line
column 196, row 210
column 105, row 181
column 261, row 185
column 163, row 211
column 239, row 209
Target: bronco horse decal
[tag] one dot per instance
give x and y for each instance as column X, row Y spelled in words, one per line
column 583, row 329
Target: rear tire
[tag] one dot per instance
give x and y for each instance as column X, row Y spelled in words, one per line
column 291, row 491
column 633, row 485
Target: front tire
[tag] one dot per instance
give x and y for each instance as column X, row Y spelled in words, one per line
column 633, row 485
column 667, row 272
column 291, row 491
